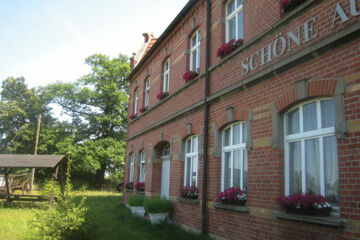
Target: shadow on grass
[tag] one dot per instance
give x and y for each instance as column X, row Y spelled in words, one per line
column 108, row 218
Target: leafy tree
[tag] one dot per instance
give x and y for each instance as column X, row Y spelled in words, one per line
column 98, row 105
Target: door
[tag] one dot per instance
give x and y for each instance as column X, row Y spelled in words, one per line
column 165, row 178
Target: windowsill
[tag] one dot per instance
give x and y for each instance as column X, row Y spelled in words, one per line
column 330, row 221
column 189, row 201
column 241, row 209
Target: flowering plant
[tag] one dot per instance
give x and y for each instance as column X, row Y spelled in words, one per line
column 140, row 186
column 143, row 109
column 233, row 195
column 308, row 203
column 129, row 185
column 190, row 75
column 190, row 192
column 132, row 116
column 288, row 5
column 162, row 95
column 227, row 48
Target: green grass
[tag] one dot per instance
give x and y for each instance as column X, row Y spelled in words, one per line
column 107, row 218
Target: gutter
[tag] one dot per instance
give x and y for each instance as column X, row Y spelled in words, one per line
column 204, row 213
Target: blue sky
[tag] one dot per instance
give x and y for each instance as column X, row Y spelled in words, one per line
column 46, row 40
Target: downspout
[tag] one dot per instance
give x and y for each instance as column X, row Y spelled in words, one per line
column 204, row 214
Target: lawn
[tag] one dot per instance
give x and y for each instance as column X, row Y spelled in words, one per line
column 107, row 218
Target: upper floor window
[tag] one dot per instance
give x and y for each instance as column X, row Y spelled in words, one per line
column 234, row 20
column 195, row 51
column 147, row 92
column 166, row 81
column 311, row 163
column 142, row 166
column 131, row 161
column 136, row 98
column 191, row 162
column 234, row 157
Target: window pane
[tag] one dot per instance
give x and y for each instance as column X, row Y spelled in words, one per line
column 245, row 171
column 198, row 58
column 244, row 132
column 227, row 137
column 187, row 171
column 143, row 172
column 237, row 168
column 232, row 29
column 230, row 7
column 292, row 122
column 239, row 3
column 327, row 113
column 240, row 26
column 193, row 60
column 194, row 171
column 193, row 40
column 227, row 171
column 331, row 169
column 194, row 144
column 188, row 146
column 310, row 117
column 312, row 159
column 236, row 134
column 295, row 167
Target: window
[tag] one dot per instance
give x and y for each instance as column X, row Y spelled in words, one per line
column 234, row 157
column 234, row 20
column 166, row 76
column 131, row 175
column 147, row 92
column 166, row 151
column 311, row 163
column 195, row 51
column 142, row 165
column 136, row 98
column 191, row 162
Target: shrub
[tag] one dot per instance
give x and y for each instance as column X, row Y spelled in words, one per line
column 158, row 205
column 136, row 200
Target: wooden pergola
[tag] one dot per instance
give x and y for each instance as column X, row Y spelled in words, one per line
column 9, row 162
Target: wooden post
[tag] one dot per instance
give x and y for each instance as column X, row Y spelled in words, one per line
column 62, row 179
column 35, row 152
column 53, row 186
column 7, row 183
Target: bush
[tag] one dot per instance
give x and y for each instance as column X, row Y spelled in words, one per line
column 158, row 205
column 136, row 200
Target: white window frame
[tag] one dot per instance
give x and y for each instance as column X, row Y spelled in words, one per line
column 131, row 160
column 136, row 99
column 142, row 166
column 232, row 148
column 166, row 80
column 193, row 154
column 195, row 48
column 235, row 14
column 319, row 133
column 147, row 92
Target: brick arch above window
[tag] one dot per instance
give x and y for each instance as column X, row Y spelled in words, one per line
column 304, row 90
column 163, row 140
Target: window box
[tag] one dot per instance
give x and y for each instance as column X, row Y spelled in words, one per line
column 189, row 201
column 227, row 48
column 129, row 186
column 325, row 221
column 132, row 116
column 162, row 95
column 288, row 5
column 190, row 192
column 235, row 208
column 143, row 109
column 190, row 75
column 140, row 186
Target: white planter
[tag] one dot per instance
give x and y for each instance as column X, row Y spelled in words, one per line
column 157, row 218
column 138, row 211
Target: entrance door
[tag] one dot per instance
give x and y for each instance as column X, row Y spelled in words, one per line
column 165, row 178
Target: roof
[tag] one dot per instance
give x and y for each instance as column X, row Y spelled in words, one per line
column 163, row 36
column 30, row 161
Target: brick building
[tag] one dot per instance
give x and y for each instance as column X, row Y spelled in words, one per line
column 278, row 115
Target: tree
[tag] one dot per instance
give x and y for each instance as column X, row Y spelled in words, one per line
column 98, row 105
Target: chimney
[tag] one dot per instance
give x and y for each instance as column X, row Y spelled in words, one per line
column 147, row 37
column 132, row 61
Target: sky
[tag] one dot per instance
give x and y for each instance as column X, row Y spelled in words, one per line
column 47, row 41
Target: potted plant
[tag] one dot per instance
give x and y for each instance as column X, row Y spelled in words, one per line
column 227, row 48
column 158, row 209
column 190, row 75
column 140, row 186
column 162, row 95
column 132, row 116
column 136, row 204
column 308, row 204
column 190, row 192
column 129, row 186
column 233, row 196
column 143, row 109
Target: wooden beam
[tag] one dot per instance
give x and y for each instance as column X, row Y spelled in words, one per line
column 53, row 185
column 62, row 179
column 7, row 183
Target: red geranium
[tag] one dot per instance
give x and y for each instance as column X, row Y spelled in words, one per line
column 143, row 109
column 140, row 186
column 132, row 116
column 190, row 75
column 227, row 48
column 162, row 95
